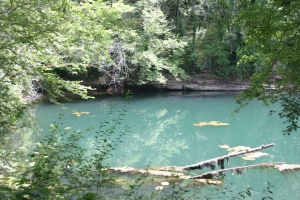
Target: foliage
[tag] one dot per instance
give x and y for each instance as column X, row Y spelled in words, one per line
column 151, row 47
column 183, row 16
column 50, row 46
column 223, row 43
column 28, row 33
column 40, row 39
column 215, row 36
column 45, row 44
column 20, row 24
column 121, row 41
column 60, row 167
column 272, row 29
column 87, row 41
column 268, row 192
column 83, row 43
column 228, row 192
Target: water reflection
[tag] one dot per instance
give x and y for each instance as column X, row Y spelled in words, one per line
column 153, row 139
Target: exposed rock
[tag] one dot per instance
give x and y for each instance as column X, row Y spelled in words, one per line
column 209, row 85
column 197, row 82
column 215, row 87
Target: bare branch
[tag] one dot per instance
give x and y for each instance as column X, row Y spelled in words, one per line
column 220, row 160
column 117, row 69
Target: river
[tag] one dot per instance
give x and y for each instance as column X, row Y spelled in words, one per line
column 162, row 133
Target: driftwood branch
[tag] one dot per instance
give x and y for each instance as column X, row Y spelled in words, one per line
column 220, row 160
column 238, row 170
column 117, row 70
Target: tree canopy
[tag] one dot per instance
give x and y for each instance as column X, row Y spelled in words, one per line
column 26, row 28
column 272, row 30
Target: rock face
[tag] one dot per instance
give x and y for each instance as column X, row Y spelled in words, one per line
column 196, row 83
column 200, row 82
column 206, row 86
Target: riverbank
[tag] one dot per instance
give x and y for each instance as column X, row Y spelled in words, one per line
column 195, row 82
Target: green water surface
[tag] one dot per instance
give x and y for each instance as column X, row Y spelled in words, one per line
column 162, row 133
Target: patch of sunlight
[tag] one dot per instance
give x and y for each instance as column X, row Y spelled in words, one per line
column 212, row 123
column 285, row 167
column 253, row 156
column 225, row 146
column 78, row 114
column 248, row 156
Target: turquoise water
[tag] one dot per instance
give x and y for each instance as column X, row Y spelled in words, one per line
column 162, row 133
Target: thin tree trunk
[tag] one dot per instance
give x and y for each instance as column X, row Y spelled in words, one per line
column 220, row 160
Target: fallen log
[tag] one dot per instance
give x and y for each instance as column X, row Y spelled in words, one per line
column 239, row 170
column 220, row 160
column 172, row 174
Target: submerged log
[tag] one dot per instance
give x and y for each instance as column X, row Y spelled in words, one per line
column 178, row 174
column 220, row 160
column 239, row 170
column 162, row 175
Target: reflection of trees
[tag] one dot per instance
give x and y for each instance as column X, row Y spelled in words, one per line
column 154, row 140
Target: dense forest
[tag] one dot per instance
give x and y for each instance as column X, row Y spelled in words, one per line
column 49, row 47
